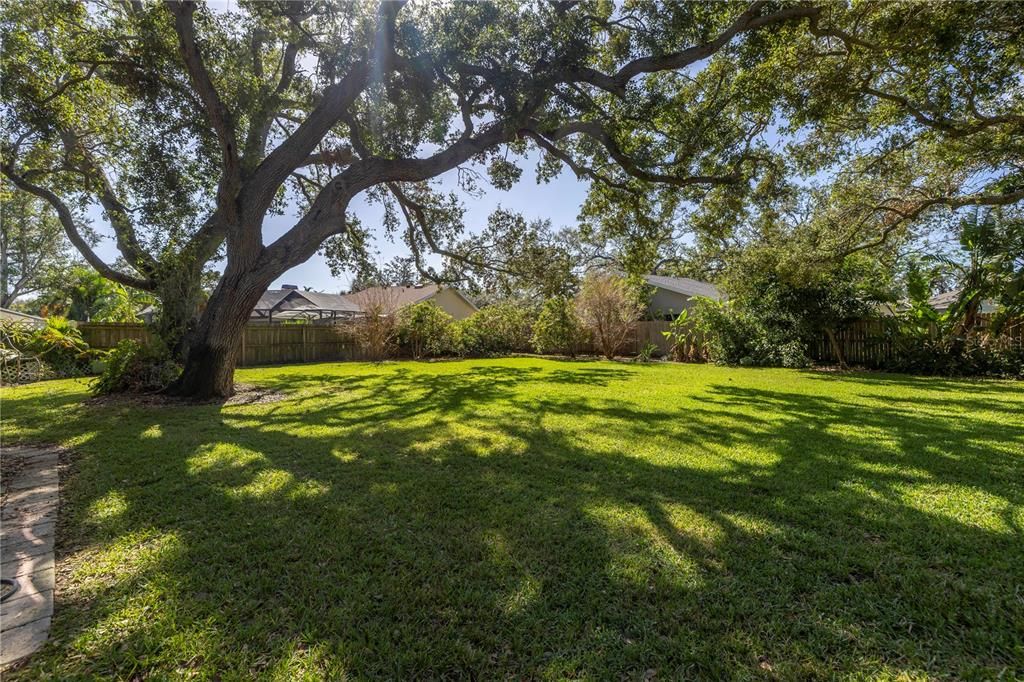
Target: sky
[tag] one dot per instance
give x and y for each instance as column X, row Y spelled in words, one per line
column 558, row 200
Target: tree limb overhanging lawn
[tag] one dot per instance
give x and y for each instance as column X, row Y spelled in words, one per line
column 536, row 518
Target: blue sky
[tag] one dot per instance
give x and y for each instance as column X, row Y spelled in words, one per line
column 558, row 200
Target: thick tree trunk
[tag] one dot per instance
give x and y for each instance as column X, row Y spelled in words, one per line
column 214, row 344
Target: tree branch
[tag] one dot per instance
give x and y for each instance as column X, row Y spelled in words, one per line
column 216, row 112
column 900, row 214
column 292, row 153
column 117, row 212
column 747, row 21
column 67, row 220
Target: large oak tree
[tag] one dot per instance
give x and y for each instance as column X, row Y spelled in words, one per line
column 189, row 127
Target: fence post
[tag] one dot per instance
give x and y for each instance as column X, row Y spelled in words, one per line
column 245, row 332
column 305, row 343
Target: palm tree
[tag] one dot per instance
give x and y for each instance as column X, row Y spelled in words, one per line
column 993, row 270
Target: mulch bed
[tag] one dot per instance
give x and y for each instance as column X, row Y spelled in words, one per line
column 245, row 394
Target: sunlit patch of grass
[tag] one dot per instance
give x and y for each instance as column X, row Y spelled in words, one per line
column 111, row 506
column 526, row 518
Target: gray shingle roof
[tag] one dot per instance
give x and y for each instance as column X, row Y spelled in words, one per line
column 271, row 297
column 282, row 301
column 945, row 300
column 685, row 286
column 336, row 302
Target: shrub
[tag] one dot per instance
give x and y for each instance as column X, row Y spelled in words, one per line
column 646, row 353
column 377, row 330
column 735, row 336
column 500, row 328
column 426, row 329
column 558, row 329
column 59, row 346
column 132, row 367
column 608, row 310
column 975, row 354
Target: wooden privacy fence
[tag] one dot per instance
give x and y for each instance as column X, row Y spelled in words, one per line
column 262, row 344
column 871, row 342
column 868, row 342
column 276, row 344
column 109, row 334
column 863, row 342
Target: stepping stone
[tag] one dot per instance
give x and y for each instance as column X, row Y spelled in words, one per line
column 20, row 641
column 29, row 518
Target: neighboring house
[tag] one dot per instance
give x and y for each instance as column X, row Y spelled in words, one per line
column 672, row 295
column 942, row 302
column 33, row 321
column 288, row 303
column 452, row 301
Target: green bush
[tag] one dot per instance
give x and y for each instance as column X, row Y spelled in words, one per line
column 971, row 355
column 59, row 345
column 496, row 329
column 424, row 329
column 558, row 329
column 132, row 367
column 736, row 336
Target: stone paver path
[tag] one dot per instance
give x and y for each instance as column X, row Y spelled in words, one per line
column 27, row 522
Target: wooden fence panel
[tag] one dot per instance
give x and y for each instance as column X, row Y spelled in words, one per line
column 867, row 342
column 650, row 331
column 262, row 344
column 109, row 334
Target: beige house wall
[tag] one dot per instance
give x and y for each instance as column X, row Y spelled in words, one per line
column 453, row 304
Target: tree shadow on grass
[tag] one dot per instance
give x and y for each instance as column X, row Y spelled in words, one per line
column 457, row 524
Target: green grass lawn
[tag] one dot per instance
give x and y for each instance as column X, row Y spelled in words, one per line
column 532, row 518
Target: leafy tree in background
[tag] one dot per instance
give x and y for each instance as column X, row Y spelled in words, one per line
column 139, row 106
column 993, row 243
column 84, row 295
column 397, row 272
column 34, row 253
column 558, row 328
column 513, row 259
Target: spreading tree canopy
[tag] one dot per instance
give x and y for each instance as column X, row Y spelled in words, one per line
column 190, row 126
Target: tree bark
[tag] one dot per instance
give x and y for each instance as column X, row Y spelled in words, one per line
column 213, row 345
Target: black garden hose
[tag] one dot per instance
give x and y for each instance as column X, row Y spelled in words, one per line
column 10, row 586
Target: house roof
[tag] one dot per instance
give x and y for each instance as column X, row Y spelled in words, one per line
column 292, row 303
column 946, row 299
column 684, row 285
column 396, row 297
column 335, row 302
column 271, row 297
